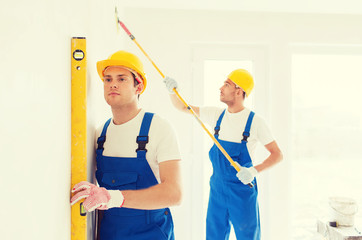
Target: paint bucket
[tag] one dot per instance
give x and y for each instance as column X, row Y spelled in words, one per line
column 343, row 210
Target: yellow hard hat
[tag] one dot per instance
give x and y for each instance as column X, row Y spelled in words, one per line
column 123, row 59
column 243, row 79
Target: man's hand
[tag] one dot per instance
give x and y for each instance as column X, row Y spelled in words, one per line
column 246, row 175
column 96, row 197
column 170, row 84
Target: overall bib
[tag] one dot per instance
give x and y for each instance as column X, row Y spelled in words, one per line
column 122, row 173
column 230, row 200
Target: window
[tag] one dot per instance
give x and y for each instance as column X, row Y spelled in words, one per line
column 326, row 133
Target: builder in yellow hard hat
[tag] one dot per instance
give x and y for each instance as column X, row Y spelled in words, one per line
column 238, row 130
column 137, row 162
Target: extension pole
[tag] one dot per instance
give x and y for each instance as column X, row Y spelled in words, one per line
column 78, row 132
column 183, row 101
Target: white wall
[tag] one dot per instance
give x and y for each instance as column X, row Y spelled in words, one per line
column 171, row 38
column 35, row 108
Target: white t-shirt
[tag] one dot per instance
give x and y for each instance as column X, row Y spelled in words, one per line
column 233, row 125
column 121, row 141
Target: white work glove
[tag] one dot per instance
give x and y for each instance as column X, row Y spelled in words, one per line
column 96, row 197
column 246, row 175
column 170, row 84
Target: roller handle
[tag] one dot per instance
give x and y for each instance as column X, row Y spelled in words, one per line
column 126, row 30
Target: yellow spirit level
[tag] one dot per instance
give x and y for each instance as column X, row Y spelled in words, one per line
column 78, row 132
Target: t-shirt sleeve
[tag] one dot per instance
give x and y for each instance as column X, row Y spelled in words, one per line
column 167, row 148
column 210, row 115
column 264, row 134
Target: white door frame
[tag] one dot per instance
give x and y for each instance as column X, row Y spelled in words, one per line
column 259, row 55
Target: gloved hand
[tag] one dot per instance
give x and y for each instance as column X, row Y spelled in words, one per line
column 96, row 197
column 246, row 175
column 170, row 84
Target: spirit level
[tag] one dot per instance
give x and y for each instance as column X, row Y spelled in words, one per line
column 78, row 132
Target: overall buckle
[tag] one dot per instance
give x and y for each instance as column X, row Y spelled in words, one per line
column 142, row 141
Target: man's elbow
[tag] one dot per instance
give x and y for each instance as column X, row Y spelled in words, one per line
column 183, row 109
column 279, row 156
column 176, row 196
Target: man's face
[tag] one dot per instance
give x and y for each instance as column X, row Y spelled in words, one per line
column 119, row 88
column 228, row 91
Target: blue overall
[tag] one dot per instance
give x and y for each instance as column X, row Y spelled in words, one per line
column 230, row 200
column 122, row 173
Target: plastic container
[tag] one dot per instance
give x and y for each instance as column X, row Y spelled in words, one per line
column 343, row 210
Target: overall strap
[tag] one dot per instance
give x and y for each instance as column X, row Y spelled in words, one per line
column 102, row 138
column 142, row 138
column 246, row 132
column 218, row 123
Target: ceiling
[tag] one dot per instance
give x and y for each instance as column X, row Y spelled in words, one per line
column 287, row 6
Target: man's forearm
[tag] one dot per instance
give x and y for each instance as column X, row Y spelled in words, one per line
column 159, row 196
column 273, row 159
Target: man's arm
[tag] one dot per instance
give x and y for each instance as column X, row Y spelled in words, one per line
column 167, row 193
column 171, row 84
column 274, row 157
column 180, row 106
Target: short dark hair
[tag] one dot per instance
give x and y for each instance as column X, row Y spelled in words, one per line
column 135, row 82
column 135, row 79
